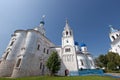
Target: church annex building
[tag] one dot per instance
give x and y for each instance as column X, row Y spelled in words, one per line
column 28, row 51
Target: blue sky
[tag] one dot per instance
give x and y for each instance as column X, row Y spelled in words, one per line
column 89, row 20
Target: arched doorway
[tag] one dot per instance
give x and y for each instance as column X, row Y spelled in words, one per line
column 66, row 72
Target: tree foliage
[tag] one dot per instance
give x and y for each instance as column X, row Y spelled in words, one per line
column 111, row 66
column 110, row 61
column 103, row 60
column 53, row 63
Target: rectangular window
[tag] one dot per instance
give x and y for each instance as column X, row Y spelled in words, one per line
column 47, row 51
column 6, row 55
column 113, row 37
column 81, row 62
column 44, row 50
column 18, row 63
column 38, row 47
column 40, row 65
column 67, row 50
column 11, row 43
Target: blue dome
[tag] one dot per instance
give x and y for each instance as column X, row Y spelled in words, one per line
column 76, row 43
column 42, row 22
column 82, row 44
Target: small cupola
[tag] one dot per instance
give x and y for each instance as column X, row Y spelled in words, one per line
column 40, row 28
column 67, row 30
column 83, row 47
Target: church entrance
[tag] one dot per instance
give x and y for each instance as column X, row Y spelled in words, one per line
column 66, row 72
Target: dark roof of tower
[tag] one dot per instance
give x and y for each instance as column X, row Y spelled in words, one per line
column 83, row 44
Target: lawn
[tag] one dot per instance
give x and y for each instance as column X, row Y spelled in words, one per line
column 63, row 78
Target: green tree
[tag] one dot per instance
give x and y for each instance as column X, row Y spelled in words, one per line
column 98, row 63
column 111, row 56
column 111, row 61
column 103, row 60
column 111, row 66
column 117, row 60
column 53, row 63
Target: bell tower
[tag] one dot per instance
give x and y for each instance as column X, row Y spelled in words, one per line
column 67, row 35
column 114, row 33
column 115, row 40
column 69, row 57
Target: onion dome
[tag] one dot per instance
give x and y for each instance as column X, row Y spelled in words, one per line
column 82, row 45
column 76, row 43
column 42, row 22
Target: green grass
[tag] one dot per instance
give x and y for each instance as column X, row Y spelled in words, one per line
column 63, row 78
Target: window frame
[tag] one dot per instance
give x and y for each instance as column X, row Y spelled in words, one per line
column 38, row 47
column 6, row 55
column 18, row 62
column 67, row 49
column 82, row 63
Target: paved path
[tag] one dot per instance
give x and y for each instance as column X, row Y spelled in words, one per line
column 114, row 74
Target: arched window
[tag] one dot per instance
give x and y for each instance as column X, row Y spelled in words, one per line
column 11, row 43
column 6, row 55
column 117, row 35
column 81, row 62
column 18, row 63
column 66, row 32
column 38, row 47
column 44, row 50
column 113, row 37
column 47, row 51
column 40, row 65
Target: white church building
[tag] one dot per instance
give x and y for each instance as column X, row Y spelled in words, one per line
column 28, row 51
column 115, row 40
